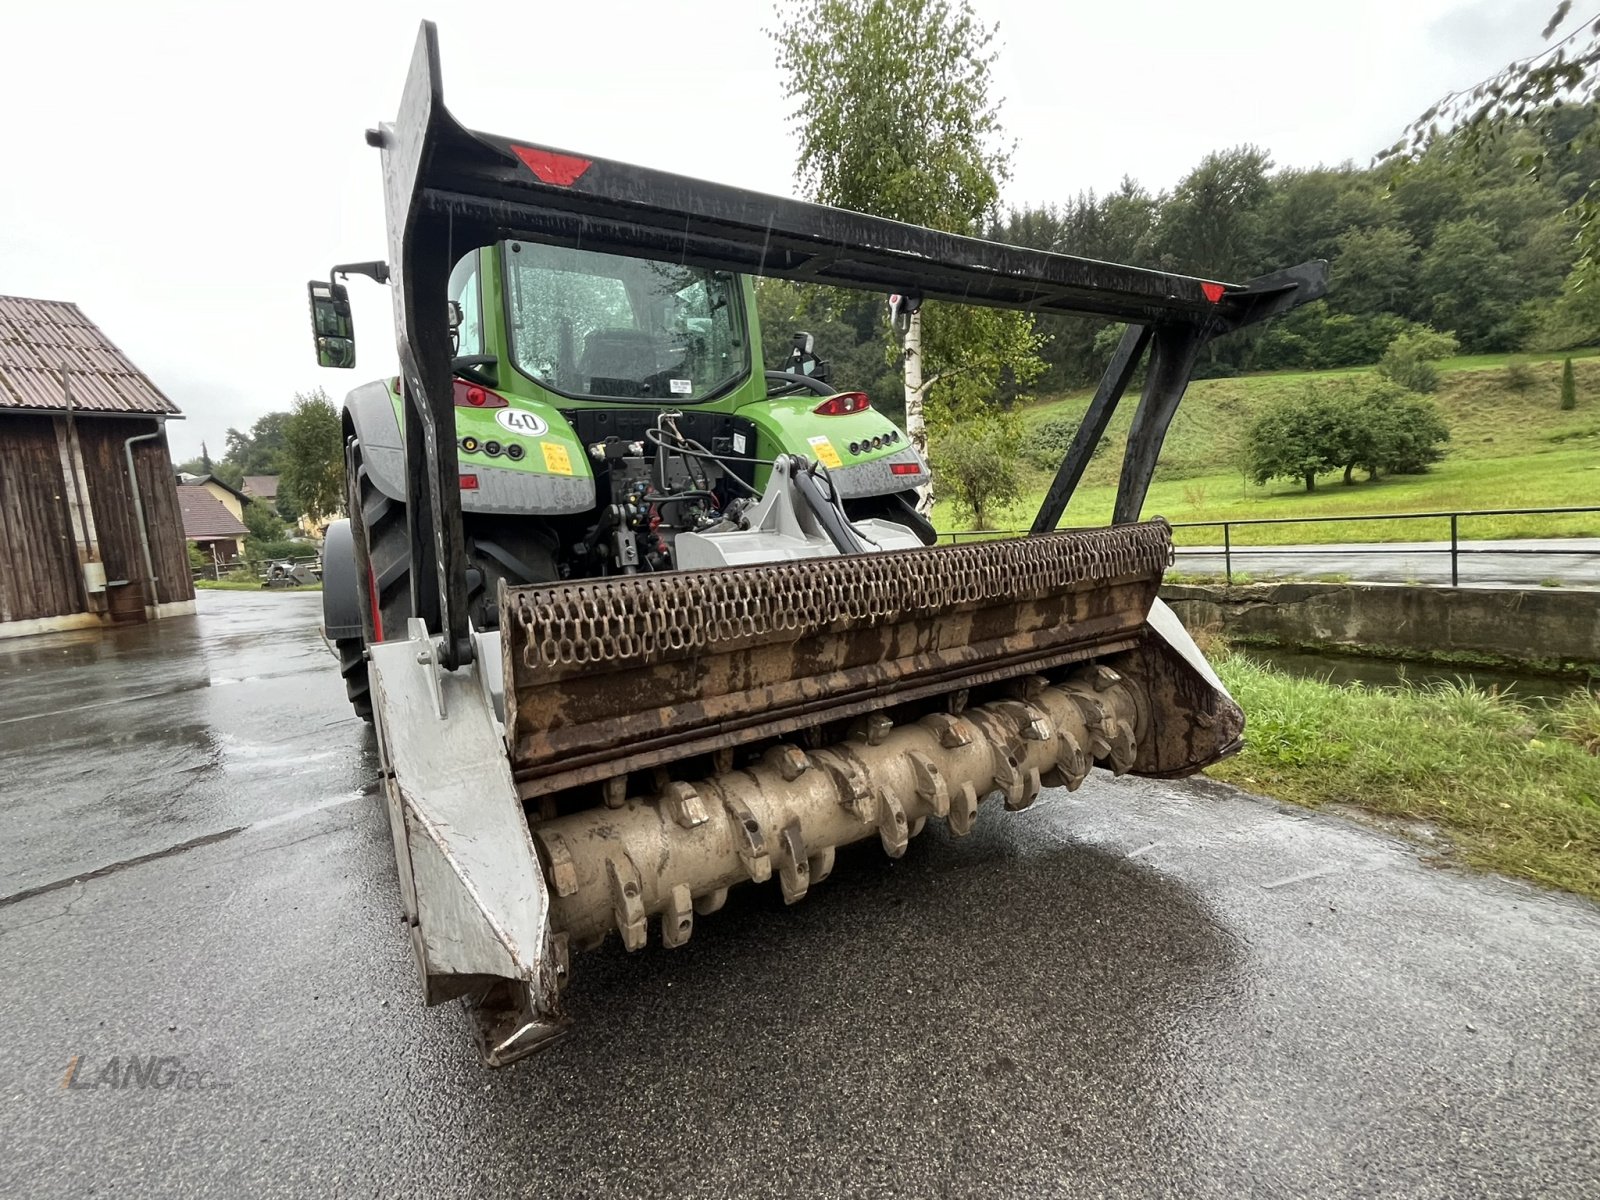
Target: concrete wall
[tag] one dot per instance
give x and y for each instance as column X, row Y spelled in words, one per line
column 1543, row 626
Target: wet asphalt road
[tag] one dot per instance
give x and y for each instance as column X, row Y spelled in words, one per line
column 1141, row 989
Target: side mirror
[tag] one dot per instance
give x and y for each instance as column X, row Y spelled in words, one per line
column 453, row 317
column 803, row 359
column 331, row 327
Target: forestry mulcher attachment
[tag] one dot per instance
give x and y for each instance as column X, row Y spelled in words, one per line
column 638, row 621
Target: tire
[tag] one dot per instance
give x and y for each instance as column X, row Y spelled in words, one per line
column 383, row 558
column 353, row 666
column 383, row 552
column 518, row 549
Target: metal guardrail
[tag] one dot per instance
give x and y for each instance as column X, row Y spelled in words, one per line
column 1227, row 550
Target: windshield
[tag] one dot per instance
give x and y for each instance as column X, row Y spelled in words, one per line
column 588, row 324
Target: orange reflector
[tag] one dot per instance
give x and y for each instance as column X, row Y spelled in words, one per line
column 563, row 170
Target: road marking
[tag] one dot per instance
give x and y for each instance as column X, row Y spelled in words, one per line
column 206, row 839
column 1302, row 877
column 308, row 811
column 1143, row 850
column 61, row 712
column 110, row 868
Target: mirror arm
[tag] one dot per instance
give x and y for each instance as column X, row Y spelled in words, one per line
column 377, row 271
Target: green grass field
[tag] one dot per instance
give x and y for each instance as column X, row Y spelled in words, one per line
column 1508, row 449
column 1513, row 787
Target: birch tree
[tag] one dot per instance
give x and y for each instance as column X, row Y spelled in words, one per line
column 895, row 114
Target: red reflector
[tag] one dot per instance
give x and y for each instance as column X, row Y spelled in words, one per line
column 469, row 483
column 470, row 395
column 905, row 468
column 1213, row 291
column 564, row 170
column 842, row 404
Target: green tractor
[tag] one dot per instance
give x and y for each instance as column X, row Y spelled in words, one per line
column 604, row 406
column 638, row 621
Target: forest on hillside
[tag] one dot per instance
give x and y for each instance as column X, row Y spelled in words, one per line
column 1470, row 244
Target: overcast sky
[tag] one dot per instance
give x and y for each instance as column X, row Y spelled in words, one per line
column 180, row 171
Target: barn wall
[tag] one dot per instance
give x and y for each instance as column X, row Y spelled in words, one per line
column 105, row 465
column 167, row 545
column 38, row 561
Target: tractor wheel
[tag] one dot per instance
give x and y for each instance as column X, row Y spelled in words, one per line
column 383, row 553
column 383, row 565
column 353, row 666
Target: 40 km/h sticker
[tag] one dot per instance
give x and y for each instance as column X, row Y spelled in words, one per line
column 520, row 421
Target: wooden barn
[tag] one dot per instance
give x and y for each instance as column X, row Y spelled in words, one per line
column 90, row 530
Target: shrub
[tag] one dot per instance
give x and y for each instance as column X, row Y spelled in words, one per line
column 975, row 464
column 1577, row 718
column 1409, row 358
column 1047, row 442
column 1519, row 377
column 1569, row 387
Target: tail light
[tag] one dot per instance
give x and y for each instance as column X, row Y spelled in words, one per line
column 905, row 468
column 469, row 483
column 470, row 395
column 842, row 404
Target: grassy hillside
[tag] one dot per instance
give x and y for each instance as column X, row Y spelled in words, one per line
column 1508, row 449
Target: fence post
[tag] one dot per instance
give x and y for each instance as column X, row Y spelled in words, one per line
column 1227, row 554
column 1455, row 554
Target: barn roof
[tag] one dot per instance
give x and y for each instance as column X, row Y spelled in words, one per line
column 38, row 337
column 204, row 516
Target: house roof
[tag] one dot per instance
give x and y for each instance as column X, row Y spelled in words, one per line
column 204, row 516
column 185, row 478
column 262, row 487
column 39, row 337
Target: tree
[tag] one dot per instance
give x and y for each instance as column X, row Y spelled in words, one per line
column 264, row 524
column 1212, row 224
column 256, row 452
column 1466, row 284
column 1531, row 90
column 1405, row 431
column 978, row 463
column 1569, row 387
column 1373, row 270
column 1298, row 436
column 893, row 106
column 312, row 462
column 1409, row 359
column 1572, row 319
column 1376, row 425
